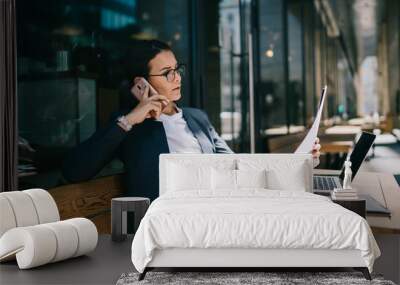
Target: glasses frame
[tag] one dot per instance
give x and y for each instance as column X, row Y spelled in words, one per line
column 171, row 73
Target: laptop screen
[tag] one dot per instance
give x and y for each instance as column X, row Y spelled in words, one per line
column 359, row 153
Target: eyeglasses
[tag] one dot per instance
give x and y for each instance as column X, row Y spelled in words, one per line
column 170, row 74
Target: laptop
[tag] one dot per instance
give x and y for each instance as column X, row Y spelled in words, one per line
column 325, row 184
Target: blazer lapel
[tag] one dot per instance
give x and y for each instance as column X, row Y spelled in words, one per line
column 194, row 126
column 155, row 129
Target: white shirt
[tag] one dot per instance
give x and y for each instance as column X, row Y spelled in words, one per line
column 180, row 138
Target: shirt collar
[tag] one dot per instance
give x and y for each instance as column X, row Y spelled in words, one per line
column 177, row 116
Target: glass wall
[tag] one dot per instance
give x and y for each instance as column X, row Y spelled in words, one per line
column 70, row 72
column 332, row 68
column 296, row 67
column 296, row 57
column 271, row 86
column 71, row 75
column 226, row 69
column 281, row 87
column 230, row 60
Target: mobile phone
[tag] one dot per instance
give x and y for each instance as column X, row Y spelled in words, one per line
column 139, row 86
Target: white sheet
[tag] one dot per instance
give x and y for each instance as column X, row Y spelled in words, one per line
column 250, row 218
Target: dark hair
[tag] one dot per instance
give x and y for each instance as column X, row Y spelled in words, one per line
column 139, row 56
column 136, row 64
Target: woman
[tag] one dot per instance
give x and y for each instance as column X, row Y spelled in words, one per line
column 138, row 135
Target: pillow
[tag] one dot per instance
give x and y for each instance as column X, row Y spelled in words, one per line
column 223, row 179
column 281, row 180
column 251, row 178
column 281, row 174
column 182, row 177
column 227, row 179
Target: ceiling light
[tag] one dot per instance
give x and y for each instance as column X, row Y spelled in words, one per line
column 269, row 53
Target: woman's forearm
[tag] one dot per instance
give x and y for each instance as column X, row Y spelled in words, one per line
column 89, row 157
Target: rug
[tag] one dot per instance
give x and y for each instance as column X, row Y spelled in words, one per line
column 232, row 278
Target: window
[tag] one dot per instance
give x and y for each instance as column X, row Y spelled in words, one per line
column 70, row 72
column 296, row 96
column 271, row 87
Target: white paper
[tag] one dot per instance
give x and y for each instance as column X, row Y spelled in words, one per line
column 307, row 144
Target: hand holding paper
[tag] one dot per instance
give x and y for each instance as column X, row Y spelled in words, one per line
column 316, row 148
column 307, row 144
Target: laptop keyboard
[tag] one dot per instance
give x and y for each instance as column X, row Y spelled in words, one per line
column 324, row 183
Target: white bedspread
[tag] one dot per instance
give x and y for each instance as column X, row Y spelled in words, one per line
column 250, row 219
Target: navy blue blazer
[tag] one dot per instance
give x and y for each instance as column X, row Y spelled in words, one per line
column 139, row 150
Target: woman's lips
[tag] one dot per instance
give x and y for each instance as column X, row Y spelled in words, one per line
column 177, row 88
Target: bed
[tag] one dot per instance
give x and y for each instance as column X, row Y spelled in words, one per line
column 245, row 211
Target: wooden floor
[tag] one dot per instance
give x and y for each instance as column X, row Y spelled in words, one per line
column 389, row 263
column 102, row 266
column 106, row 264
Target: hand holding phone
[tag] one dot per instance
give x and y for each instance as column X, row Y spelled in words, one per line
column 150, row 102
column 139, row 88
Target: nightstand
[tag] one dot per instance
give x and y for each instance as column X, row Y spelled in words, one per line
column 119, row 208
column 357, row 206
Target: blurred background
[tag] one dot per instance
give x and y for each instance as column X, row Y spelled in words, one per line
column 256, row 67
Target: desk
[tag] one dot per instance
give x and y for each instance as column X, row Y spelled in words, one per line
column 384, row 189
column 343, row 130
column 336, row 146
column 336, row 152
column 102, row 266
column 340, row 133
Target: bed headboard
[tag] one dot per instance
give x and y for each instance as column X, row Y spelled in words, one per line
column 284, row 163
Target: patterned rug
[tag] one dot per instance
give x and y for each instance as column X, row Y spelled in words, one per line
column 243, row 278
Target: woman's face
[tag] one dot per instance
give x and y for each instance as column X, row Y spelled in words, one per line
column 161, row 64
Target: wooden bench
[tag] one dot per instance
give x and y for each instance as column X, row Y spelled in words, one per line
column 285, row 143
column 90, row 199
column 336, row 152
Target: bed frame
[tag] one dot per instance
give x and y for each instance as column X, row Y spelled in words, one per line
column 242, row 259
column 246, row 259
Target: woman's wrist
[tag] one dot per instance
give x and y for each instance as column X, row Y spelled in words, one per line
column 124, row 123
column 131, row 118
